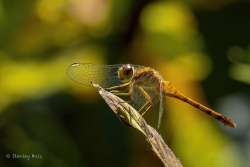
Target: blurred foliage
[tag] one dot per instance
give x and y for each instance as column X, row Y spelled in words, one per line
column 200, row 46
column 240, row 58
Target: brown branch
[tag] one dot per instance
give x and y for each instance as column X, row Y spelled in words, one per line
column 131, row 117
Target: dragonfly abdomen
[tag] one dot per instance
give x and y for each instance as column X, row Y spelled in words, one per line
column 171, row 91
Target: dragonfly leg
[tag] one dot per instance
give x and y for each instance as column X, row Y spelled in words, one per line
column 145, row 108
column 148, row 104
column 120, row 93
column 117, row 87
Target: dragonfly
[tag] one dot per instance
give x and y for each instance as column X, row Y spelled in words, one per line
column 141, row 86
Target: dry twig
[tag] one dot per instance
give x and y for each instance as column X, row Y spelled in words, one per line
column 131, row 116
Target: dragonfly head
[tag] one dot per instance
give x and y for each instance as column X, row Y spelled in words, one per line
column 125, row 73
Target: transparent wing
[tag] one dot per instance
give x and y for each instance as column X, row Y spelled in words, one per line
column 154, row 89
column 85, row 73
column 161, row 104
column 157, row 97
column 137, row 99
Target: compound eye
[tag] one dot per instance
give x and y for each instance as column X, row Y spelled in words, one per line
column 125, row 73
